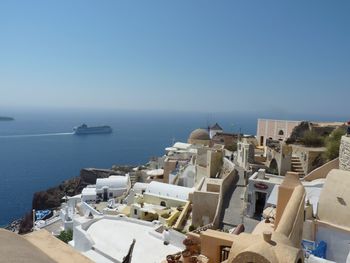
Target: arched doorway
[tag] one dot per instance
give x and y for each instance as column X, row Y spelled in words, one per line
column 273, row 168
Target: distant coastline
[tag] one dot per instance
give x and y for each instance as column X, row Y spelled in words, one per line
column 3, row 118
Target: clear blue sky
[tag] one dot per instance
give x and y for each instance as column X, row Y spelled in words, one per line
column 184, row 55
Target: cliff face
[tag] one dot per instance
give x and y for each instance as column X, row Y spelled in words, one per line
column 52, row 197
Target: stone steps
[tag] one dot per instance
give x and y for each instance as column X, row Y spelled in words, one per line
column 297, row 166
column 297, row 170
column 133, row 179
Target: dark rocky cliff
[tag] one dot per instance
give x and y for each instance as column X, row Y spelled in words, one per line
column 52, row 197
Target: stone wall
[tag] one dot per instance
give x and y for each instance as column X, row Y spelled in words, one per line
column 228, row 181
column 214, row 162
column 344, row 153
column 201, row 158
column 322, row 171
column 204, row 207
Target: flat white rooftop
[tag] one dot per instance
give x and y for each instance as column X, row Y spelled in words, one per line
column 181, row 145
column 269, row 178
column 114, row 237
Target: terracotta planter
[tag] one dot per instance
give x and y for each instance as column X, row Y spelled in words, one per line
column 193, row 248
column 186, row 255
column 177, row 257
column 170, row 259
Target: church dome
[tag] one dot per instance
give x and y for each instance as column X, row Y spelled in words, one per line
column 199, row 134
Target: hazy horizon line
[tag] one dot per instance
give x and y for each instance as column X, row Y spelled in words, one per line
column 268, row 114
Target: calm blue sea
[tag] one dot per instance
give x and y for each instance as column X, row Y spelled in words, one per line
column 38, row 151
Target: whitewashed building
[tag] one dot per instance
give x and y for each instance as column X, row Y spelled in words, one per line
column 89, row 194
column 262, row 192
column 107, row 188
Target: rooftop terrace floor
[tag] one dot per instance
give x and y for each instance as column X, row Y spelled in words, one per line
column 114, row 237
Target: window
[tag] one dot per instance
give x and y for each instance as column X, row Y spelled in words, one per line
column 281, row 133
column 224, row 252
column 135, row 211
column 162, row 203
column 110, row 194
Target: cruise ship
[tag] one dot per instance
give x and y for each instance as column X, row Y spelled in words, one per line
column 84, row 129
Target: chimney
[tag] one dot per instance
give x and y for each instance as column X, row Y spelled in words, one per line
column 285, row 191
column 261, row 174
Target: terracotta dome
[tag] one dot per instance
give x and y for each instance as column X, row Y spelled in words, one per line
column 199, row 134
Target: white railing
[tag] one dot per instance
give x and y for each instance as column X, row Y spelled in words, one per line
column 43, row 223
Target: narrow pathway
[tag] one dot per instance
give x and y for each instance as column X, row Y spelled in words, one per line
column 234, row 206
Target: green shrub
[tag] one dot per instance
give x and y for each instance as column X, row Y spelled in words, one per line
column 333, row 143
column 66, row 236
column 312, row 139
column 232, row 147
column 191, row 228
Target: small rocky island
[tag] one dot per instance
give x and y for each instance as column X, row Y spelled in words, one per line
column 4, row 118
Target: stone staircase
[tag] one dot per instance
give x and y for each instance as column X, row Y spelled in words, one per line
column 297, row 166
column 133, row 178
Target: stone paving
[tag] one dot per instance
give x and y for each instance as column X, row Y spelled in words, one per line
column 234, row 206
column 55, row 228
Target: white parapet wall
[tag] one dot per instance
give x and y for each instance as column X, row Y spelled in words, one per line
column 87, row 209
column 344, row 154
column 81, row 240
